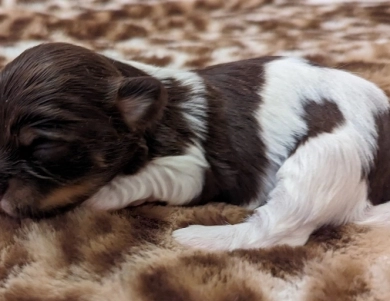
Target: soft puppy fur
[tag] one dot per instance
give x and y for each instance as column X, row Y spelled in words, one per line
column 304, row 144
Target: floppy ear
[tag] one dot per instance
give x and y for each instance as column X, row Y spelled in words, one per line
column 141, row 101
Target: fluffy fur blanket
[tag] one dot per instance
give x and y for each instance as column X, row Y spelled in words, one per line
column 129, row 255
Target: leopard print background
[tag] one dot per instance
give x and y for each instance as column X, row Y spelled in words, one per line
column 129, row 255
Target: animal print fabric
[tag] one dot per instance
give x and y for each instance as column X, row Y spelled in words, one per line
column 129, row 255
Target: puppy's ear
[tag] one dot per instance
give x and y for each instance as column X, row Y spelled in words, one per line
column 141, row 101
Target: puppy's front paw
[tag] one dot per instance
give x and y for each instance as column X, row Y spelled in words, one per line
column 209, row 237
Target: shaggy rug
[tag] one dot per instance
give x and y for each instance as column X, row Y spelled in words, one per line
column 129, row 255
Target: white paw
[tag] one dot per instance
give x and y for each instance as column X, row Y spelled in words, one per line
column 226, row 237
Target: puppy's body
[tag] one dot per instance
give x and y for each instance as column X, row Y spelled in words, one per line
column 303, row 139
column 304, row 144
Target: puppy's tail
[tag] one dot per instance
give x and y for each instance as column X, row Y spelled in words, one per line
column 378, row 215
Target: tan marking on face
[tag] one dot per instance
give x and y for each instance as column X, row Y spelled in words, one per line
column 66, row 195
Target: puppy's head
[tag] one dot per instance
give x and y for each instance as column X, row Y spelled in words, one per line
column 70, row 120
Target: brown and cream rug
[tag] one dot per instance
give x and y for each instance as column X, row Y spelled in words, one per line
column 130, row 255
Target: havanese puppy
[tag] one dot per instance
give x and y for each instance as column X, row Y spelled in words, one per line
column 302, row 144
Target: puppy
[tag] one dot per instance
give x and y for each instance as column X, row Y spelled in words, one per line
column 304, row 144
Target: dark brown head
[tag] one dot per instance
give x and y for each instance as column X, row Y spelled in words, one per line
column 70, row 120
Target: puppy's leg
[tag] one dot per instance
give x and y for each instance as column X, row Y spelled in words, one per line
column 321, row 183
column 378, row 215
column 173, row 179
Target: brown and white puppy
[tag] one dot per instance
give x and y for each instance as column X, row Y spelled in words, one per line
column 304, row 144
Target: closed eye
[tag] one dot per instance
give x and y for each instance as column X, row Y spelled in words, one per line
column 46, row 150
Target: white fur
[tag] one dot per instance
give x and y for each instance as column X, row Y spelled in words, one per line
column 376, row 215
column 322, row 182
column 290, row 84
column 175, row 179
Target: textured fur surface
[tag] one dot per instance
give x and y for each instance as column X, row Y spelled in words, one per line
column 130, row 255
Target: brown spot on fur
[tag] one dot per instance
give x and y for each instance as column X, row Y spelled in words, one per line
column 233, row 94
column 320, row 118
column 66, row 195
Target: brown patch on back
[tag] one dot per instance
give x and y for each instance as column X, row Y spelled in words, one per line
column 320, row 118
column 237, row 164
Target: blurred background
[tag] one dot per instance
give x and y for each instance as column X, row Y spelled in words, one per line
column 195, row 33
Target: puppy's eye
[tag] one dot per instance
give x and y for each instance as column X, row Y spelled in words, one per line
column 49, row 150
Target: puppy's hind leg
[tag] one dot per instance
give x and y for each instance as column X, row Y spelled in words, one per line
column 319, row 184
